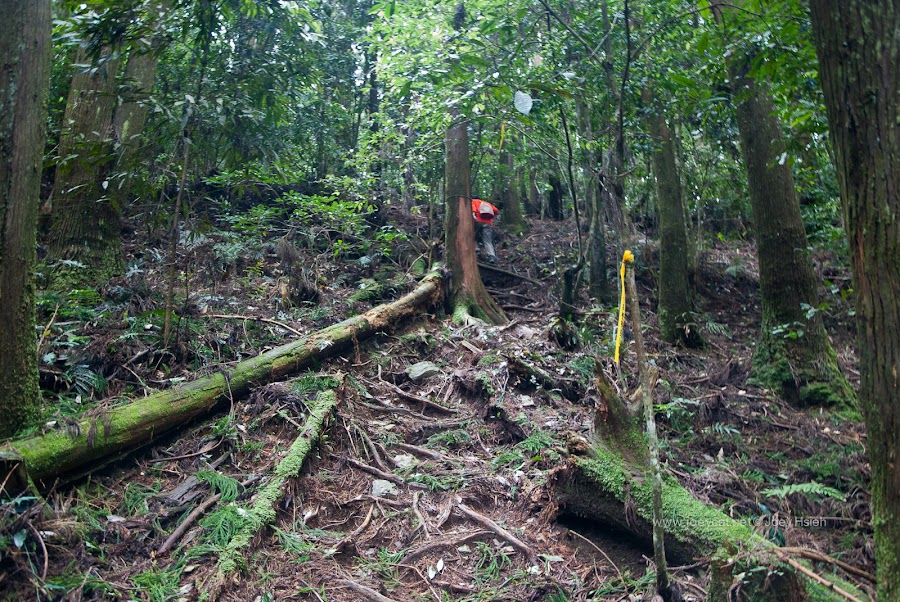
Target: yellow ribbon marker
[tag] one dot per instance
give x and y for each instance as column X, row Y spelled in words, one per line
column 626, row 256
column 502, row 135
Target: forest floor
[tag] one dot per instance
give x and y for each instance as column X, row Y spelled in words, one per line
column 487, row 438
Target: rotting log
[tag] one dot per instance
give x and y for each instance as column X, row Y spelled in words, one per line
column 263, row 511
column 94, row 441
column 606, row 490
column 610, row 486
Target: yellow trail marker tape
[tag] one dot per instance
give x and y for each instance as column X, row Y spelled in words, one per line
column 626, row 256
column 502, row 135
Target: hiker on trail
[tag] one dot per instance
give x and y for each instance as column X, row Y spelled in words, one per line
column 484, row 214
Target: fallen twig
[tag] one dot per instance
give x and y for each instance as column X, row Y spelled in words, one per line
column 366, row 592
column 596, row 547
column 179, row 532
column 383, row 475
column 443, row 543
column 257, row 319
column 497, row 270
column 205, row 450
column 376, row 457
column 427, row 403
column 421, row 451
column 415, row 507
column 500, row 531
column 536, row 310
column 816, row 577
column 818, row 556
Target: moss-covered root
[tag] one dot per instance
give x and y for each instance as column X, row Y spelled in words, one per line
column 802, row 375
column 262, row 512
column 608, row 490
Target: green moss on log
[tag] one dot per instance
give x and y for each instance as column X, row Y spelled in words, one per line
column 601, row 487
column 262, row 512
column 99, row 439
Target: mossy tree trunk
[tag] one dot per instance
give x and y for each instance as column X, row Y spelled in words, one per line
column 513, row 221
column 675, row 322
column 794, row 356
column 24, row 79
column 859, row 63
column 468, row 295
column 85, row 225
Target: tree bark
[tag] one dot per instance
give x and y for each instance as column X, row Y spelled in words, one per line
column 85, row 225
column 129, row 117
column 675, row 322
column 556, row 199
column 513, row 221
column 794, row 356
column 598, row 283
column 859, row 64
column 467, row 295
column 24, row 80
column 93, row 442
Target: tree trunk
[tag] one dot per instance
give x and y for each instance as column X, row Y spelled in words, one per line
column 93, row 442
column 794, row 356
column 859, row 64
column 612, row 182
column 129, row 119
column 468, row 295
column 675, row 322
column 24, row 79
column 556, row 200
column 534, row 196
column 513, row 221
column 598, row 283
column 85, row 224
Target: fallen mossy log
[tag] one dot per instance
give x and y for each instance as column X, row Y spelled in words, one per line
column 263, row 511
column 607, row 490
column 608, row 485
column 94, row 441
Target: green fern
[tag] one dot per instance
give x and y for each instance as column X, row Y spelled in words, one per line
column 808, row 489
column 220, row 483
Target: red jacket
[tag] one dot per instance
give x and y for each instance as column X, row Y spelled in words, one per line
column 484, row 212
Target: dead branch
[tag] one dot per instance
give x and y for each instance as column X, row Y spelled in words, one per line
column 366, row 592
column 256, row 319
column 818, row 556
column 496, row 270
column 426, row 403
column 815, row 576
column 500, row 531
column 383, row 475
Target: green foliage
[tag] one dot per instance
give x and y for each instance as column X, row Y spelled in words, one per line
column 679, row 412
column 160, row 585
column 812, row 490
column 312, row 382
column 450, row 438
column 220, row 483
